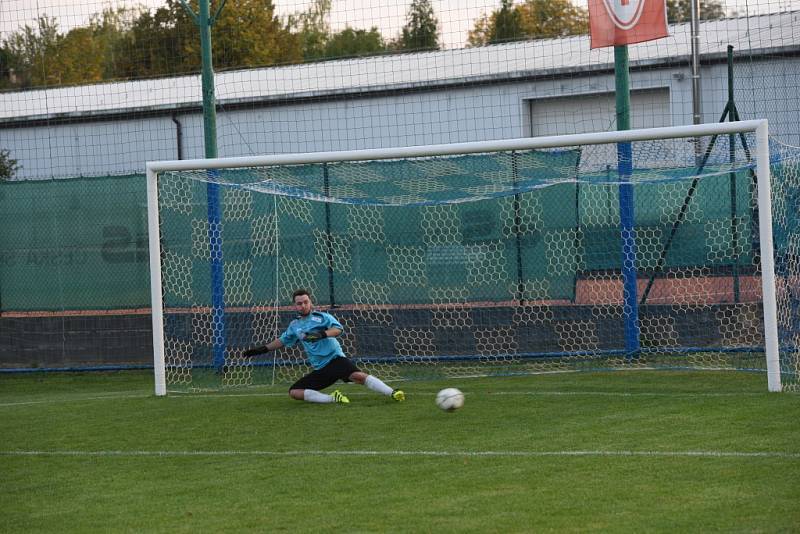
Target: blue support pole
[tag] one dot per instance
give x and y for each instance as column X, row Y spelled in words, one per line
column 217, row 276
column 204, row 21
column 630, row 302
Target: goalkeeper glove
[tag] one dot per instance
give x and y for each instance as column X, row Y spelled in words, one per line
column 255, row 351
column 315, row 335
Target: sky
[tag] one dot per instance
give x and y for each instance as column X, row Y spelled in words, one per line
column 456, row 17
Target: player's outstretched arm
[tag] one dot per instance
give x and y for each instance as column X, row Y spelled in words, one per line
column 263, row 349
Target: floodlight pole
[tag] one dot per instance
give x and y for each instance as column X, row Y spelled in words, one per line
column 204, row 22
column 697, row 112
column 630, row 303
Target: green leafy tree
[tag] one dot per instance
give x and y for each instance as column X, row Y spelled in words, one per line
column 502, row 25
column 166, row 41
column 533, row 19
column 41, row 55
column 313, row 29
column 557, row 18
column 155, row 44
column 6, row 73
column 136, row 43
column 681, row 10
column 78, row 58
column 30, row 49
column 8, row 165
column 507, row 23
column 350, row 42
column 421, row 30
column 248, row 33
column 479, row 35
column 112, row 30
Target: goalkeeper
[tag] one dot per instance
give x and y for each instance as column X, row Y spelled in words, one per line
column 317, row 331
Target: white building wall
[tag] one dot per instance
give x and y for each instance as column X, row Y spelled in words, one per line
column 441, row 115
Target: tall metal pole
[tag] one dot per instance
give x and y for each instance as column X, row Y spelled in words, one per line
column 204, row 22
column 730, row 108
column 630, row 303
column 697, row 108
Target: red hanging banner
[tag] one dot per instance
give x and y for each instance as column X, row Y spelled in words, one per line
column 621, row 22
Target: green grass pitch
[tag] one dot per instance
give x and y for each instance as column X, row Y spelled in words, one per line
column 634, row 451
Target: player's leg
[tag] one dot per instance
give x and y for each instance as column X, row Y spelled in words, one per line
column 308, row 388
column 376, row 384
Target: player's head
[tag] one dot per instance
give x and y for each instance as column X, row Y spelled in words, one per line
column 302, row 301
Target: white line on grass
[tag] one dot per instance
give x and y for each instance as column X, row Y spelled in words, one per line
column 625, row 394
column 206, row 395
column 475, row 454
column 76, row 398
column 196, row 396
column 432, row 392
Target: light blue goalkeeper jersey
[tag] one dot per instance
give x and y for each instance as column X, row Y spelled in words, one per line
column 319, row 352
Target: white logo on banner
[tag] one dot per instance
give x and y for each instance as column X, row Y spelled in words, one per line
column 624, row 13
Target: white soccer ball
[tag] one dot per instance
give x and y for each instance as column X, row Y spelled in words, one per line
column 450, row 399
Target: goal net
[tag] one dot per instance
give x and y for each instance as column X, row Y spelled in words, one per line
column 643, row 249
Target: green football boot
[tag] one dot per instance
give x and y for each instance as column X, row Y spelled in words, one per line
column 339, row 397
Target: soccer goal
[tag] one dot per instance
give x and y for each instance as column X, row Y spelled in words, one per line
column 612, row 250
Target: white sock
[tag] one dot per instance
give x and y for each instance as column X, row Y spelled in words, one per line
column 311, row 395
column 375, row 384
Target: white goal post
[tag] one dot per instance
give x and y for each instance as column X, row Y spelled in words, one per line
column 762, row 168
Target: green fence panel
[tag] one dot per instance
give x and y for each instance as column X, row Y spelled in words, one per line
column 74, row 244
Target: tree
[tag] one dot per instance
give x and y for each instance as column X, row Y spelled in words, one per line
column 479, row 35
column 166, row 41
column 112, row 29
column 681, row 10
column 421, row 30
column 313, row 29
column 153, row 46
column 502, row 25
column 30, row 48
column 533, row 19
column 8, row 165
column 43, row 56
column 507, row 23
column 78, row 58
column 248, row 33
column 318, row 42
column 558, row 18
column 350, row 42
column 6, row 73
